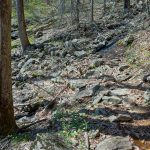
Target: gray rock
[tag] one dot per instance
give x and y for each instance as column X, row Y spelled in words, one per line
column 96, row 63
column 26, row 119
column 78, row 83
column 20, row 64
column 128, row 40
column 99, row 111
column 123, row 67
column 115, row 143
column 88, row 91
column 146, row 78
column 14, row 35
column 100, row 46
column 121, row 118
column 123, row 77
column 94, row 133
column 147, row 97
column 119, row 92
column 27, row 64
column 21, row 77
column 114, row 100
column 98, row 98
column 80, row 54
column 47, row 141
column 39, row 34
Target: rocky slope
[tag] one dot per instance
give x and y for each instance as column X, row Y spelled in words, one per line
column 83, row 88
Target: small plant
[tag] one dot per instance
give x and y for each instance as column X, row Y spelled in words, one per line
column 72, row 124
column 18, row 138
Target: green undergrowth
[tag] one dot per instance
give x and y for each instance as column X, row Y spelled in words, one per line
column 72, row 123
column 19, row 138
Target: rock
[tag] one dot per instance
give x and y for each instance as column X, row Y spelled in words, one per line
column 114, row 100
column 99, row 97
column 33, row 107
column 146, row 78
column 39, row 34
column 78, row 83
column 21, row 77
column 123, row 67
column 20, row 64
column 27, row 64
column 88, row 91
column 121, row 118
column 80, row 54
column 128, row 40
column 115, row 143
column 147, row 96
column 63, row 53
column 124, row 77
column 14, row 35
column 72, row 45
column 26, row 119
column 94, row 133
column 140, row 5
column 119, row 92
column 96, row 63
column 99, row 111
column 99, row 38
column 47, row 141
column 100, row 46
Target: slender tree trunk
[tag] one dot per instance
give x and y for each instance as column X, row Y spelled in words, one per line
column 22, row 25
column 61, row 9
column 126, row 5
column 75, row 12
column 147, row 6
column 7, row 120
column 92, row 11
column 104, row 7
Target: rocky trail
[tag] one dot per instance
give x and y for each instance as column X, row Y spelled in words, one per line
column 81, row 87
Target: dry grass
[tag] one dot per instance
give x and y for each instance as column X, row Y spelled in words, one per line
column 139, row 51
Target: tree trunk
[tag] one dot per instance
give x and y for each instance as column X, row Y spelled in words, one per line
column 75, row 12
column 61, row 9
column 7, row 120
column 147, row 7
column 104, row 7
column 22, row 25
column 126, row 5
column 92, row 11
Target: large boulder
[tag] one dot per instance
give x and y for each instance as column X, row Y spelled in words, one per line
column 115, row 143
column 47, row 141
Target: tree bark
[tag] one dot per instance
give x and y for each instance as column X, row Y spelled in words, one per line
column 7, row 120
column 126, row 5
column 22, row 25
column 92, row 11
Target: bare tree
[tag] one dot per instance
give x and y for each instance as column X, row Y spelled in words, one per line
column 75, row 11
column 61, row 9
column 22, row 25
column 92, row 11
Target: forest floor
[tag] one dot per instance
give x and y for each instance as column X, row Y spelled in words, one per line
column 83, row 88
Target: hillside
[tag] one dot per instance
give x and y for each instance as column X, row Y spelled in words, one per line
column 83, row 86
